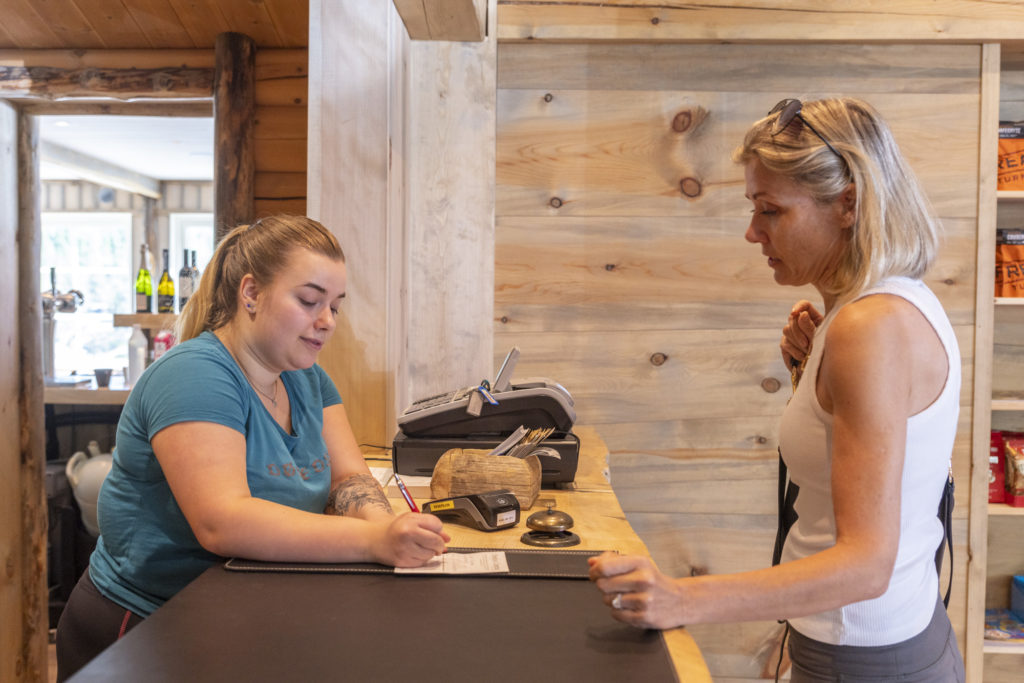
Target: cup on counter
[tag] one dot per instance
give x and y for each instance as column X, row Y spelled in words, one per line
column 102, row 377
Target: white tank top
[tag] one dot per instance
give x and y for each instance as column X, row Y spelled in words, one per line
column 805, row 438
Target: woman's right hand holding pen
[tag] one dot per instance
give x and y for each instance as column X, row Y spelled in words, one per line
column 410, row 540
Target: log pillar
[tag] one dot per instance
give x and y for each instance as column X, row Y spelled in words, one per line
column 234, row 115
column 31, row 659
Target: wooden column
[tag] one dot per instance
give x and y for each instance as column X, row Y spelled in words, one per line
column 10, row 392
column 234, row 109
column 354, row 186
column 401, row 168
column 31, row 661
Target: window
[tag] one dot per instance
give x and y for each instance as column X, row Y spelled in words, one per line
column 192, row 231
column 91, row 252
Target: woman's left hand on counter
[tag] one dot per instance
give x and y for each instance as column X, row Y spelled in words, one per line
column 636, row 590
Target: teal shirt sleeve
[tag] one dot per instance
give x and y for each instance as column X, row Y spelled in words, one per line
column 329, row 392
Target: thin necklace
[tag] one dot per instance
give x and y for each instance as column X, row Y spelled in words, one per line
column 270, row 397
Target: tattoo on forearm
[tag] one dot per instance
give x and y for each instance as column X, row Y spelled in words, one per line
column 356, row 492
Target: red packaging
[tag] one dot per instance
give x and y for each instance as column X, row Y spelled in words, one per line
column 162, row 343
column 996, row 473
column 1014, row 469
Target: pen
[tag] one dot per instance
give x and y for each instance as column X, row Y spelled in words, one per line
column 405, row 494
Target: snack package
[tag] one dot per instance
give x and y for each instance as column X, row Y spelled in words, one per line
column 1001, row 624
column 1009, row 262
column 1011, row 156
column 1014, row 453
column 996, row 474
column 1017, row 597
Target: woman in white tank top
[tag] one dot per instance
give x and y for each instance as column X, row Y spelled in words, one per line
column 869, row 433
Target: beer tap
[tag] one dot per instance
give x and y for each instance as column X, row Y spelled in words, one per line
column 55, row 302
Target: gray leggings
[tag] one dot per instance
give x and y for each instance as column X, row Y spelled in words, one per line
column 931, row 656
column 89, row 624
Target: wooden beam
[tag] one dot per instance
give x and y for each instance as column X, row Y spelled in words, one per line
column 120, row 83
column 108, row 59
column 453, row 20
column 745, row 21
column 184, row 108
column 234, row 114
column 98, row 171
column 32, row 659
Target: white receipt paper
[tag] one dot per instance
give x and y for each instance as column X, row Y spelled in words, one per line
column 490, row 562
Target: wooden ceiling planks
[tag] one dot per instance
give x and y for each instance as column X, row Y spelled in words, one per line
column 26, row 27
column 108, row 19
column 151, row 24
column 203, row 20
column 62, row 19
column 252, row 19
column 159, row 23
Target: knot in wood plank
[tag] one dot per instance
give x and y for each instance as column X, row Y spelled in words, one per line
column 690, row 187
column 681, row 122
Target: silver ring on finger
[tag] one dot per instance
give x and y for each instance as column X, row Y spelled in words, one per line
column 617, row 601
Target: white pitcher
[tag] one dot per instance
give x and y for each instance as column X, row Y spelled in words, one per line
column 85, row 473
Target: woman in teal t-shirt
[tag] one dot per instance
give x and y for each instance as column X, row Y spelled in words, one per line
column 235, row 443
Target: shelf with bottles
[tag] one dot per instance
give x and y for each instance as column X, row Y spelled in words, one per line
column 168, row 297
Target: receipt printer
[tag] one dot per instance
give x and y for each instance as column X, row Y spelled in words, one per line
column 485, row 511
column 481, row 417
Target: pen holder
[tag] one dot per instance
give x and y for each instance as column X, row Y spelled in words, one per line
column 463, row 471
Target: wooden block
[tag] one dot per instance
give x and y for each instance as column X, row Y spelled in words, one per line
column 462, row 471
column 457, row 20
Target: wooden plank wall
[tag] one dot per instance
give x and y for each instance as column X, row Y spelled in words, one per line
column 279, row 135
column 743, row 21
column 621, row 270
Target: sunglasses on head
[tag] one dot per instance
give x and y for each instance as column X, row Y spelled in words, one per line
column 788, row 110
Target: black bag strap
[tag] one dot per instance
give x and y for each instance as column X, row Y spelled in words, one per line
column 787, row 514
column 946, row 517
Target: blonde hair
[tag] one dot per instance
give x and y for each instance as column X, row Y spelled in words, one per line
column 261, row 249
column 894, row 232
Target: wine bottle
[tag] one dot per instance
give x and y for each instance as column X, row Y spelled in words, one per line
column 195, row 272
column 165, row 289
column 186, row 285
column 144, row 284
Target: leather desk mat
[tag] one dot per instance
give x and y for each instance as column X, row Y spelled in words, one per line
column 300, row 626
column 534, row 563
